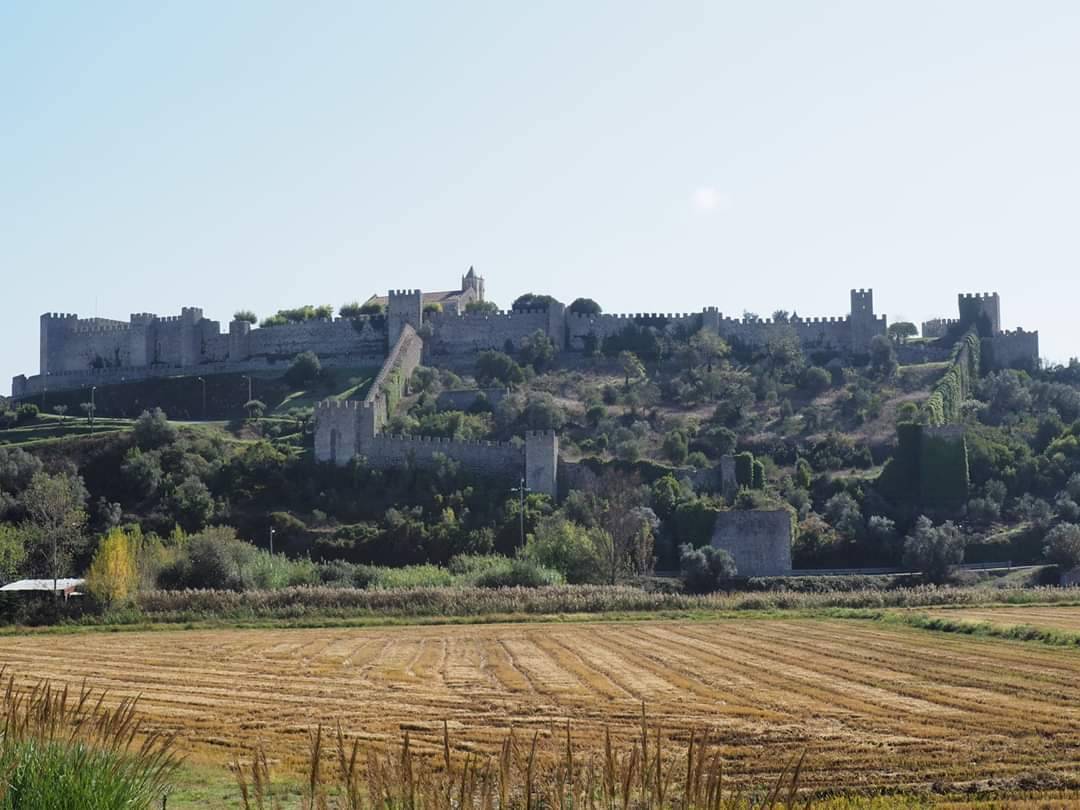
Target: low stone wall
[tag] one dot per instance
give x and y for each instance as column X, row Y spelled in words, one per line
column 759, row 541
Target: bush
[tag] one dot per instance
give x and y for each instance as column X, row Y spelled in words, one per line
column 815, row 380
column 934, row 550
column 26, row 413
column 153, row 430
column 1063, row 546
column 246, row 316
column 516, row 573
column 564, row 546
column 497, row 367
column 305, row 369
column 704, row 569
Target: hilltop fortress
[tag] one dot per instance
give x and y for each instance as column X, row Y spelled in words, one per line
column 78, row 352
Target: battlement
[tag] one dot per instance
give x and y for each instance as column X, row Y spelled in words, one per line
column 59, row 316
column 444, row 441
column 979, row 296
column 399, row 293
column 1018, row 332
column 337, row 405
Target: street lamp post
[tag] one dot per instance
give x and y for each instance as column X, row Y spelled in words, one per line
column 522, row 491
column 203, row 381
column 271, row 540
column 93, row 409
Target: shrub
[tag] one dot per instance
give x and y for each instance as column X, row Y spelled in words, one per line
column 704, row 569
column 245, row 315
column 564, row 546
column 492, row 367
column 26, row 413
column 153, row 430
column 305, row 369
column 676, row 447
column 815, row 380
column 113, row 577
column 516, row 573
column 934, row 550
column 1063, row 546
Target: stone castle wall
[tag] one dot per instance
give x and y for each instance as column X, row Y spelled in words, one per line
column 759, row 541
column 1015, row 349
column 147, row 341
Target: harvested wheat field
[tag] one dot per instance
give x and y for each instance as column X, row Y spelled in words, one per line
column 1044, row 617
column 872, row 704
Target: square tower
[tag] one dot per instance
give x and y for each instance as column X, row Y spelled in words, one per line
column 983, row 310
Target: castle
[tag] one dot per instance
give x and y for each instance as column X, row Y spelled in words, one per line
column 78, row 352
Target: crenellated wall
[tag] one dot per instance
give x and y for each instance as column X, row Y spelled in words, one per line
column 1015, row 349
column 347, row 430
column 472, row 332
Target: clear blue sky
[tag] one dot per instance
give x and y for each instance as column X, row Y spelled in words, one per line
column 656, row 157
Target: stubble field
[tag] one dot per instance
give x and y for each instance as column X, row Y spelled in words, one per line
column 873, row 705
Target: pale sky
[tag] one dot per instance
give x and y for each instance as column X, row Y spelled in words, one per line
column 658, row 157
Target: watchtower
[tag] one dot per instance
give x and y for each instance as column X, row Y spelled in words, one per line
column 862, row 319
column 403, row 307
column 983, row 310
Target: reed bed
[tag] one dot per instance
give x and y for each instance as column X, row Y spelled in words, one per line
column 323, row 602
column 60, row 749
column 527, row 773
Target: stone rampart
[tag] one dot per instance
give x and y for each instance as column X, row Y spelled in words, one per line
column 1014, row 349
column 758, row 541
column 474, row 332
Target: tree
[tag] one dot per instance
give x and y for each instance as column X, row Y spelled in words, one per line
column 349, row 310
column 625, row 544
column 567, row 547
column 61, row 411
column 113, row 576
column 883, row 357
column 88, row 408
column 245, row 315
column 781, row 316
column 191, row 504
column 704, row 569
column 481, row 307
column 709, row 348
column 632, row 367
column 372, row 308
column 325, row 312
column 538, row 350
column 901, row 331
column 533, row 301
column 492, row 366
column 56, row 515
column 255, row 408
column 432, row 307
column 584, row 306
column 815, row 380
column 933, row 550
column 153, row 430
column 676, row 447
column 1063, row 546
column 12, row 551
column 304, row 369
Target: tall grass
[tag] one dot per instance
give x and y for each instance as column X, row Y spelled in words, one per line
column 325, row 602
column 528, row 772
column 62, row 751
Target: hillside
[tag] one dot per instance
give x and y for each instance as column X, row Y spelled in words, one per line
column 816, row 432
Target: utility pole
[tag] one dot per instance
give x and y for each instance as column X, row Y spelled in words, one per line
column 522, row 491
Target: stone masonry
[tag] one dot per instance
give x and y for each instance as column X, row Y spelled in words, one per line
column 76, row 352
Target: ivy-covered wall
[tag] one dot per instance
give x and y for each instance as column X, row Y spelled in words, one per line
column 945, row 404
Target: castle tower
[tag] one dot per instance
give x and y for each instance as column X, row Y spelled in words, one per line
column 981, row 309
column 474, row 282
column 862, row 319
column 542, row 461
column 403, row 307
column 53, row 340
